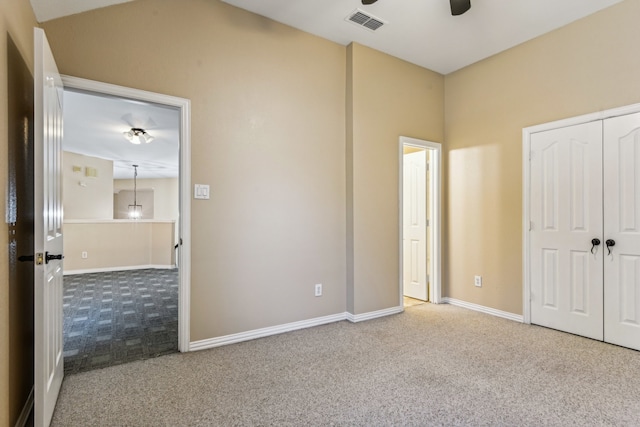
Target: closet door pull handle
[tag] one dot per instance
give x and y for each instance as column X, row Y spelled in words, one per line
column 594, row 243
column 610, row 243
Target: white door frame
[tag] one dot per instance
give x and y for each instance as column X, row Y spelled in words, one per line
column 184, row 254
column 526, row 188
column 434, row 194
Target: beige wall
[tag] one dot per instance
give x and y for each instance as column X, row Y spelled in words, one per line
column 87, row 197
column 268, row 132
column 124, row 198
column 16, row 21
column 587, row 66
column 113, row 244
column 387, row 98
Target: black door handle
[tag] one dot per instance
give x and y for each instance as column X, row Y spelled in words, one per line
column 25, row 258
column 48, row 257
column 594, row 243
column 610, row 243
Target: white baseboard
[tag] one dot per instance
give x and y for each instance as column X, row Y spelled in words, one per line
column 126, row 268
column 287, row 327
column 483, row 309
column 355, row 318
column 26, row 411
column 263, row 332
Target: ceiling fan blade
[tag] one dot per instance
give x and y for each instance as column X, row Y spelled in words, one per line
column 366, row 2
column 129, row 119
column 150, row 124
column 458, row 7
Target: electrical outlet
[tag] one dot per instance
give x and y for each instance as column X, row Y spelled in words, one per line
column 477, row 281
column 319, row 289
column 85, row 255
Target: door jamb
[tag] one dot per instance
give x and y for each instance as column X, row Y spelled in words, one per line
column 435, row 193
column 526, row 187
column 184, row 254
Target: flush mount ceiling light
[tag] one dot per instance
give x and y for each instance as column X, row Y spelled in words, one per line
column 138, row 136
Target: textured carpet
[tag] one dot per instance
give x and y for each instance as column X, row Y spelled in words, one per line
column 118, row 317
column 431, row 365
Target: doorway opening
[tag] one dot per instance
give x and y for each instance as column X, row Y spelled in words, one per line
column 419, row 213
column 127, row 278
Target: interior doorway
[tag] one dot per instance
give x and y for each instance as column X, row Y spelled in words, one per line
column 420, row 200
column 159, row 276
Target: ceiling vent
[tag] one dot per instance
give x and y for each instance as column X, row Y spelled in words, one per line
column 365, row 20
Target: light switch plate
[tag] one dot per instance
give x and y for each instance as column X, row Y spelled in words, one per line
column 201, row 191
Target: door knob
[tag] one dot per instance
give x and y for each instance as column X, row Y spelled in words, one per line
column 594, row 243
column 48, row 257
column 610, row 243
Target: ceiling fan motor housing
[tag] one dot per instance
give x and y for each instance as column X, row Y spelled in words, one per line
column 458, row 7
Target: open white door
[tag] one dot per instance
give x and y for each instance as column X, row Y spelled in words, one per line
column 414, row 212
column 48, row 231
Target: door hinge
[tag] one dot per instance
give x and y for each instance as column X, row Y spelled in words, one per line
column 428, row 223
column 530, row 225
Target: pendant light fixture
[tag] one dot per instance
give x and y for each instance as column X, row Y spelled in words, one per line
column 135, row 210
column 138, row 136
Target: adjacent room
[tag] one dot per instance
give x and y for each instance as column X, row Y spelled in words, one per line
column 121, row 209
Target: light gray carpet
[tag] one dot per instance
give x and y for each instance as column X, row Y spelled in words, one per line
column 431, row 365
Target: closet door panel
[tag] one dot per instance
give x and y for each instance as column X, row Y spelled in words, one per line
column 622, row 225
column 566, row 214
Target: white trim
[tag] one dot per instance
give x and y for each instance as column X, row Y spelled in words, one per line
column 288, row 327
column 125, row 268
column 526, row 221
column 184, row 254
column 118, row 221
column 435, row 192
column 526, row 186
column 483, row 309
column 585, row 118
column 264, row 332
column 355, row 318
column 26, row 411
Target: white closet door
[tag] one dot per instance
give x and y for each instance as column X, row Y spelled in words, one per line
column 566, row 213
column 622, row 225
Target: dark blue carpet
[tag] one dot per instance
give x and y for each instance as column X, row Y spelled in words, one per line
column 118, row 317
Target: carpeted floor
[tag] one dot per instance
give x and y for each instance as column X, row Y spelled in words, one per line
column 410, row 302
column 119, row 317
column 433, row 365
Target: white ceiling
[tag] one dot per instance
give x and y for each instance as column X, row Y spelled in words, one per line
column 47, row 10
column 419, row 31
column 423, row 32
column 93, row 126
